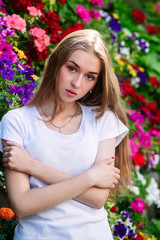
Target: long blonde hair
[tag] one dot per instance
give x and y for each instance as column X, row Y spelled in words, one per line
column 106, row 93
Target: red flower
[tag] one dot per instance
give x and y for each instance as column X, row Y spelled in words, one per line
column 138, row 159
column 72, row 28
column 152, row 107
column 42, row 55
column 140, row 98
column 128, row 91
column 63, row 2
column 153, row 81
column 152, row 29
column 139, row 238
column 113, row 209
column 139, row 16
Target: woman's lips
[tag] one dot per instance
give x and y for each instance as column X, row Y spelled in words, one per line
column 71, row 93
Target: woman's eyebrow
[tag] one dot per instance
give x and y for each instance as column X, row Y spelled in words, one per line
column 79, row 67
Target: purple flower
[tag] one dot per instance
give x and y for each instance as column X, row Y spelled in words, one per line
column 142, row 76
column 119, row 230
column 2, row 4
column 5, row 49
column 6, row 62
column 105, row 15
column 10, row 103
column 8, row 74
column 133, row 36
column 8, row 32
column 142, row 45
column 29, row 72
column 113, row 37
column 17, row 90
column 115, row 24
column 20, row 67
column 131, row 232
column 3, row 21
column 124, row 214
column 24, row 100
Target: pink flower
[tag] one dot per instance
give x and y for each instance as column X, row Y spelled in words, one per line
column 42, row 42
column 37, row 32
column 94, row 14
column 137, row 117
column 16, row 22
column 153, row 160
column 83, row 13
column 134, row 147
column 34, row 11
column 98, row 2
column 155, row 133
column 144, row 138
column 138, row 205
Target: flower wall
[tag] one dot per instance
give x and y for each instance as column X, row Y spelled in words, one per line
column 30, row 29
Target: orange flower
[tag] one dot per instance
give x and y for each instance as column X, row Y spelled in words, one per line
column 6, row 213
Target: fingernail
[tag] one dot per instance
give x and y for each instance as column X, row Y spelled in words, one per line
column 113, row 157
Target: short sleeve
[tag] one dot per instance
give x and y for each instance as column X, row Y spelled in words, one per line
column 11, row 128
column 110, row 127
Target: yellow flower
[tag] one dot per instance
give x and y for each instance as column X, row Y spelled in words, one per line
column 120, row 62
column 20, row 67
column 16, row 44
column 0, row 52
column 34, row 77
column 21, row 55
column 141, row 69
column 115, row 15
column 121, row 69
column 148, row 238
column 141, row 234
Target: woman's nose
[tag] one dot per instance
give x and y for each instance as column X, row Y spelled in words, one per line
column 76, row 82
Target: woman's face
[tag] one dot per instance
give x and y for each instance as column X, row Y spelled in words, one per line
column 78, row 75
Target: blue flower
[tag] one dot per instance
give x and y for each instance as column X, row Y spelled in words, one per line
column 115, row 24
column 10, row 103
column 142, row 76
column 119, row 230
column 8, row 74
column 124, row 214
column 20, row 67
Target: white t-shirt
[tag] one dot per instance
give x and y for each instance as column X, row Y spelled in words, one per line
column 73, row 154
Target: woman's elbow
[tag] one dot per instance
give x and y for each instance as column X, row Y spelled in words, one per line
column 100, row 201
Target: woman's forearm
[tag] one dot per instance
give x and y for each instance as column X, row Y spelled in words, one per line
column 94, row 197
column 26, row 201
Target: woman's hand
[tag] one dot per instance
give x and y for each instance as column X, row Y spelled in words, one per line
column 15, row 157
column 104, row 174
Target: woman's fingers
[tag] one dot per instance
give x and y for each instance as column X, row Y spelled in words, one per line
column 10, row 143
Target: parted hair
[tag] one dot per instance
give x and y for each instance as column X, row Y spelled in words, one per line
column 105, row 94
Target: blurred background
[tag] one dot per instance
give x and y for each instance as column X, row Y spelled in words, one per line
column 30, row 29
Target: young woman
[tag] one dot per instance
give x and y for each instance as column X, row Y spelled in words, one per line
column 59, row 150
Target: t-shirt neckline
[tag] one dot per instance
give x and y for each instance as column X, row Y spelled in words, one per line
column 56, row 132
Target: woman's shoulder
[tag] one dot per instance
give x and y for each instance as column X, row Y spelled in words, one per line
column 21, row 112
column 94, row 111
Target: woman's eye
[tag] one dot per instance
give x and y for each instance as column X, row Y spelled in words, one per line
column 90, row 77
column 72, row 69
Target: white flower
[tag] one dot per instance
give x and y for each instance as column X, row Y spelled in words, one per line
column 141, row 178
column 135, row 82
column 134, row 189
column 153, row 196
